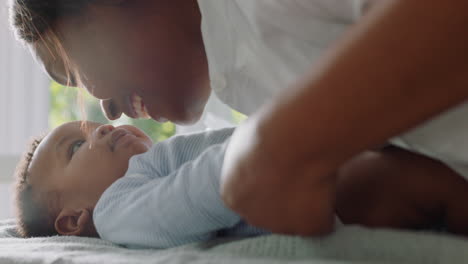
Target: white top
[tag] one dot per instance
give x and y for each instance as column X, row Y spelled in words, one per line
column 258, row 48
column 169, row 196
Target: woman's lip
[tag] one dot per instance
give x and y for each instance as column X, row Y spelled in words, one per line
column 139, row 107
column 130, row 110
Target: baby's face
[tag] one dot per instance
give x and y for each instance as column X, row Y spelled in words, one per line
column 82, row 165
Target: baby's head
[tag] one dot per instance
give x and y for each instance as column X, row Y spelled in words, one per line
column 61, row 178
column 122, row 51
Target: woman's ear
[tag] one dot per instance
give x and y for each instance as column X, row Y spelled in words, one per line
column 74, row 222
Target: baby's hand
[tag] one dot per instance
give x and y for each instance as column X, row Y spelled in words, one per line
column 271, row 190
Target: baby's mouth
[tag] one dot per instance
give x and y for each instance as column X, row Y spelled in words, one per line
column 117, row 134
column 139, row 107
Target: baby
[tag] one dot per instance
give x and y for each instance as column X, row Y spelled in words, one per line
column 93, row 182
column 113, row 183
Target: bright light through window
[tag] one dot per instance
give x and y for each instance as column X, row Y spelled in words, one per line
column 67, row 104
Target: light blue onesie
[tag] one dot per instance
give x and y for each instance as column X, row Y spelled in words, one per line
column 170, row 196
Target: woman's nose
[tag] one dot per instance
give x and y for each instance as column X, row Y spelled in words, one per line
column 110, row 109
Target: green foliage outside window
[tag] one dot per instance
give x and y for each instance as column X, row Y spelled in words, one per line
column 67, row 104
column 237, row 117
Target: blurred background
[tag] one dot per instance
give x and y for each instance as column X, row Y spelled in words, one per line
column 31, row 105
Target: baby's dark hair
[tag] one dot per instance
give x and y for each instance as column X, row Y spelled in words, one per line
column 34, row 211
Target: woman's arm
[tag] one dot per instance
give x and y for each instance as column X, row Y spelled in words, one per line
column 406, row 61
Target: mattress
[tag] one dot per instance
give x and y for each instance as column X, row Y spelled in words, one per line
column 349, row 244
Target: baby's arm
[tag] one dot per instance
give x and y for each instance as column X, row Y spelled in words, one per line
column 149, row 208
column 403, row 63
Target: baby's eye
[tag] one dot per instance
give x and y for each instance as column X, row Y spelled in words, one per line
column 75, row 146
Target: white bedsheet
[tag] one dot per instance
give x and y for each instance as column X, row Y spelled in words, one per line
column 350, row 244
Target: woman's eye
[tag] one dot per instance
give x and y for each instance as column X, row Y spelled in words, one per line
column 75, row 146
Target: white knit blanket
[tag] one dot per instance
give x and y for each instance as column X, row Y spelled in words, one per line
column 349, row 244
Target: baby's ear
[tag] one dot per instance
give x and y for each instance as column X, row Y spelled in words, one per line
column 74, row 222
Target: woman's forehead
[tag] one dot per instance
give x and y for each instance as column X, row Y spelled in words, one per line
column 51, row 63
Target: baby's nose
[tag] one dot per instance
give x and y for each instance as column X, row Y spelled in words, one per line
column 103, row 130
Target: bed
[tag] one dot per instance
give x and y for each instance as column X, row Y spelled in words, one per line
column 349, row 244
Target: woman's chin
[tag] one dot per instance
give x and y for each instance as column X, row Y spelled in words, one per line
column 185, row 121
column 184, row 118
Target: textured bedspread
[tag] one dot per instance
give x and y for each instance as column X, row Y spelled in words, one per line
column 350, row 244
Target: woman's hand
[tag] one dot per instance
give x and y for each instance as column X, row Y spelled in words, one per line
column 269, row 189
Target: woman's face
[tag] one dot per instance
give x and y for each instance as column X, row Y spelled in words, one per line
column 141, row 49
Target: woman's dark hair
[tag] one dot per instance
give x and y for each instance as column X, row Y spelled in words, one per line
column 31, row 19
column 34, row 22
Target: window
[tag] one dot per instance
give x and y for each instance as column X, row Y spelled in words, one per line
column 65, row 106
column 24, row 103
